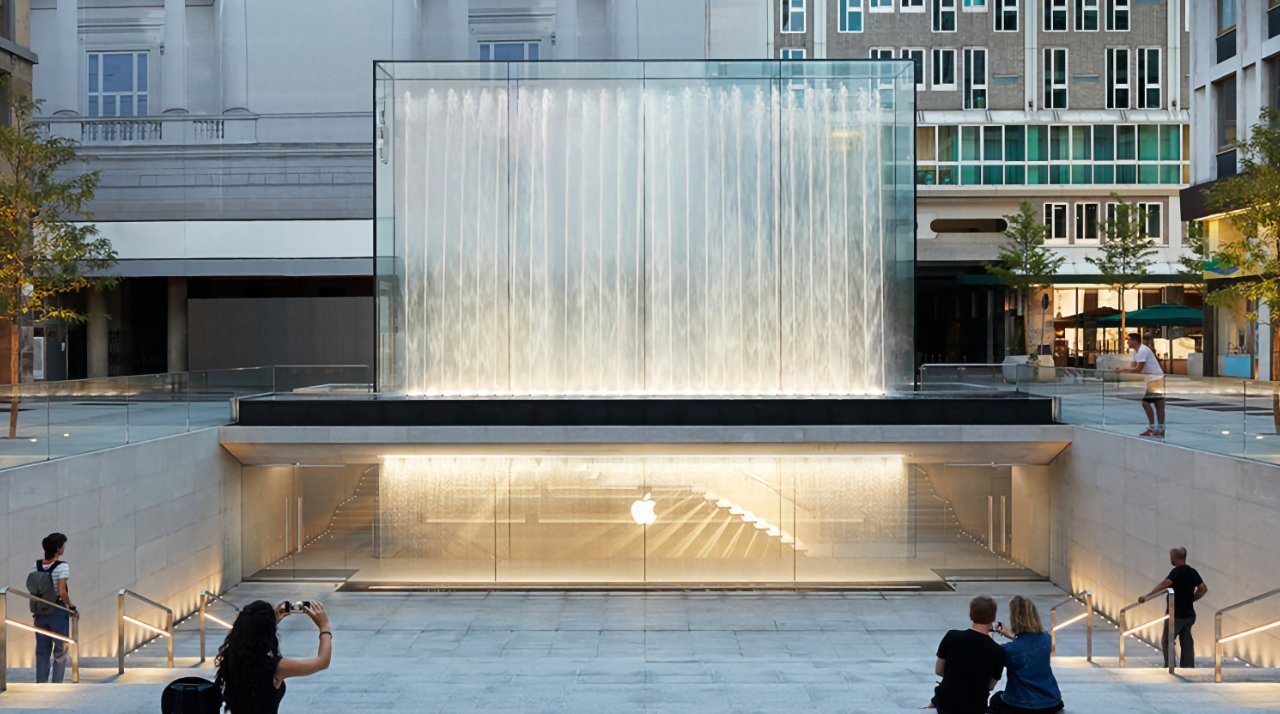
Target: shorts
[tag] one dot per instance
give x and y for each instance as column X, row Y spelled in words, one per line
column 1155, row 390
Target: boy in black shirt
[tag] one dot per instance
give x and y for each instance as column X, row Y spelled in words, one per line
column 969, row 662
column 1187, row 588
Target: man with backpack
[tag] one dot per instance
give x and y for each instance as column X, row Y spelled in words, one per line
column 48, row 582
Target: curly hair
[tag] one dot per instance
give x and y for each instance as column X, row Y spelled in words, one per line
column 247, row 659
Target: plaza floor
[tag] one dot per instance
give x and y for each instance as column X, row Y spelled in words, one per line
column 655, row 652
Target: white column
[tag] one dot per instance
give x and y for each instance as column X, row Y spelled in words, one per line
column 235, row 56
column 1264, row 332
column 406, row 32
column 624, row 22
column 566, row 30
column 459, row 29
column 819, row 16
column 1031, row 50
column 64, row 96
column 173, row 69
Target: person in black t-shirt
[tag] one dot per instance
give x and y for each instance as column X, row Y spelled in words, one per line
column 1187, row 588
column 969, row 662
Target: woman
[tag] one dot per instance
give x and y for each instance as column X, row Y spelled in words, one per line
column 1031, row 688
column 251, row 670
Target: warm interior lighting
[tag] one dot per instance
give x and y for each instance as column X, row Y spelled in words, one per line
column 1254, row 631
column 1077, row 618
column 218, row 620
column 1132, row 630
column 145, row 626
column 38, row 631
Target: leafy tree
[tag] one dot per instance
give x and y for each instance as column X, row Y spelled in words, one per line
column 45, row 249
column 1251, row 200
column 1025, row 263
column 1126, row 251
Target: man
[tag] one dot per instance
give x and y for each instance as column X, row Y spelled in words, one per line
column 1187, row 588
column 969, row 662
column 49, row 581
column 1145, row 363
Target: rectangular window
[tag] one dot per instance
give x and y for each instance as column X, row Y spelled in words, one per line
column 975, row 78
column 1150, row 221
column 1273, row 80
column 517, row 51
column 1117, row 78
column 1117, row 15
column 791, row 53
column 117, row 84
column 1225, row 97
column 882, row 53
column 881, row 5
column 1126, row 142
column 944, row 15
column 975, row 5
column 1086, row 15
column 1055, row 78
column 1055, row 15
column 1055, row 218
column 1149, row 69
column 912, row 6
column 944, row 69
column 1006, row 15
column 916, row 55
column 850, row 16
column 793, row 16
column 1087, row 215
column 1226, row 16
column 7, row 30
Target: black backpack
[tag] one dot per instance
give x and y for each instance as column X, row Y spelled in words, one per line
column 40, row 584
column 190, row 695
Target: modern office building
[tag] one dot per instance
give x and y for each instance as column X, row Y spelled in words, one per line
column 1057, row 102
column 1235, row 74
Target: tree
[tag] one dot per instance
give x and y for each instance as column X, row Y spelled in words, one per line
column 1126, row 250
column 46, row 250
column 1250, row 200
column 1025, row 263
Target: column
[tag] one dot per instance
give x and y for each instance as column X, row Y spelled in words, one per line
column 173, row 68
column 98, row 340
column 177, row 329
column 406, row 30
column 1265, row 333
column 64, row 97
column 624, row 22
column 459, row 29
column 566, row 30
column 234, row 40
column 1029, row 518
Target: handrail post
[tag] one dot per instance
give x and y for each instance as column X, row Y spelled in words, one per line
column 1217, row 647
column 169, row 616
column 204, row 604
column 120, row 632
column 4, row 643
column 1053, row 631
column 1170, row 631
column 1124, row 625
column 1088, row 606
column 75, row 648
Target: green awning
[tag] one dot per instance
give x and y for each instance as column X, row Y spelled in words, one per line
column 1162, row 315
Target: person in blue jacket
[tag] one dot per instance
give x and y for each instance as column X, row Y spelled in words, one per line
column 1031, row 687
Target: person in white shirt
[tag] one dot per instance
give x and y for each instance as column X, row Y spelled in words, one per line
column 1146, row 364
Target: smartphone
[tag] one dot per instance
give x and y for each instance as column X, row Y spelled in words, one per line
column 297, row 605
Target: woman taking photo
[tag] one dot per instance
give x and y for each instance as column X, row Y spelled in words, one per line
column 251, row 670
column 1031, row 687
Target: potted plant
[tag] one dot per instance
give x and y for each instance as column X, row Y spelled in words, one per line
column 1026, row 265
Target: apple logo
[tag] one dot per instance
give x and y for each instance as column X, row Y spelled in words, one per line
column 642, row 511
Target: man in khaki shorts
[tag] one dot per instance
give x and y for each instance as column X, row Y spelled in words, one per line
column 1146, row 364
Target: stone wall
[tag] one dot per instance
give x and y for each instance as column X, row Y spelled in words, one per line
column 160, row 517
column 1119, row 503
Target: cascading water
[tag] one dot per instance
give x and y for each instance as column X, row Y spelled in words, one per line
column 670, row 237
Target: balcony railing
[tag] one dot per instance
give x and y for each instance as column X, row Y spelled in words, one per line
column 162, row 130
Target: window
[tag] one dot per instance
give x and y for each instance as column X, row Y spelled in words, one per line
column 7, row 19
column 117, row 84
column 512, row 51
column 1055, row 219
column 1006, row 15
column 1226, row 16
column 791, row 53
column 881, row 5
column 1055, row 78
column 850, row 16
column 975, row 5
column 1117, row 15
column 793, row 16
column 944, row 69
column 1149, row 78
column 1086, row 15
column 1225, row 98
column 1150, row 224
column 882, row 53
column 1117, row 78
column 1273, row 80
column 1055, row 15
column 975, row 78
column 912, row 6
column 916, row 55
column 1087, row 221
column 944, row 15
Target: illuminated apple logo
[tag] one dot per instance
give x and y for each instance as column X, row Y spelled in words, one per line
column 642, row 511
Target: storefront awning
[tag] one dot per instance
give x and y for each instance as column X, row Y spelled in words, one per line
column 1162, row 315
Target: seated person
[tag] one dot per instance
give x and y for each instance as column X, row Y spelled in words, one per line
column 1031, row 687
column 969, row 662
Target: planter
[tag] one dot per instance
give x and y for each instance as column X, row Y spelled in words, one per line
column 1195, row 364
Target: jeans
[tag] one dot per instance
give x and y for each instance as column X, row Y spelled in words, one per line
column 1182, row 631
column 50, row 651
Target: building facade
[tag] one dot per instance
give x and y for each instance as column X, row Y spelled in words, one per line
column 1235, row 74
column 16, row 61
column 1061, row 103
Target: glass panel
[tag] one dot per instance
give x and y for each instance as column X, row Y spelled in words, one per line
column 1037, row 143
column 142, row 105
column 117, row 72
column 1015, row 175
column 969, row 174
column 946, row 176
column 1037, row 174
column 1126, row 142
column 1058, row 143
column 93, row 107
column 109, row 106
column 1059, row 174
column 1148, row 142
column 534, row 48
column 1126, row 173
column 1170, row 142
column 1170, row 173
column 142, row 71
column 486, row 51
column 948, row 146
column 992, row 175
column 1081, row 174
column 926, row 144
column 126, row 106
column 1014, row 143
column 969, row 147
column 992, row 140
column 93, row 72
column 1148, row 173
column 1081, row 143
column 1104, row 173
column 1103, row 142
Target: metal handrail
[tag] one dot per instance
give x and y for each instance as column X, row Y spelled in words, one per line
column 121, row 618
column 1087, row 616
column 1219, row 640
column 205, row 597
column 73, row 640
column 1167, row 618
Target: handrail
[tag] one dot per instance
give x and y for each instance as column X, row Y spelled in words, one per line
column 121, row 618
column 1166, row 618
column 73, row 640
column 205, row 597
column 1087, row 616
column 1219, row 640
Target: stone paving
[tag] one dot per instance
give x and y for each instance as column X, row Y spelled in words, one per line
column 656, row 652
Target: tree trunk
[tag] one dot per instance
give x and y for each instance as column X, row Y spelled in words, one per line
column 1123, row 335
column 14, row 394
column 1026, row 320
